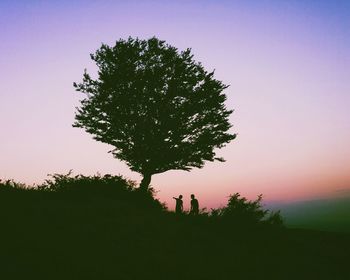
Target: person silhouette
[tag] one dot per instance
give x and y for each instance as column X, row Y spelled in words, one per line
column 194, row 205
column 179, row 204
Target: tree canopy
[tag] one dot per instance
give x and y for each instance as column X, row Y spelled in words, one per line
column 157, row 106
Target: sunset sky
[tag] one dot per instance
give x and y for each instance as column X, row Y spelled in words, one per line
column 287, row 64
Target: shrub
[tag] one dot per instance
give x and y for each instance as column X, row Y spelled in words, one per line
column 12, row 185
column 240, row 210
column 87, row 188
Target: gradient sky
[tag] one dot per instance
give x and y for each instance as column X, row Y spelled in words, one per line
column 288, row 64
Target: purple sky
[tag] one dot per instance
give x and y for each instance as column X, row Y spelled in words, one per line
column 288, row 64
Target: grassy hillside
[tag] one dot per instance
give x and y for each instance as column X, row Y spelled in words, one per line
column 103, row 228
column 331, row 214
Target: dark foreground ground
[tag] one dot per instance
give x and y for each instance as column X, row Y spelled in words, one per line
column 51, row 236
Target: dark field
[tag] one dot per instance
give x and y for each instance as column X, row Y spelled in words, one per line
column 104, row 232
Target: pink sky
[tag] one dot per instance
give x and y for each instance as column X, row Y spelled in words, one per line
column 287, row 63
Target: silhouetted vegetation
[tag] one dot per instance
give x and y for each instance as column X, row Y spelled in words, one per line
column 82, row 188
column 103, row 227
column 157, row 106
column 241, row 211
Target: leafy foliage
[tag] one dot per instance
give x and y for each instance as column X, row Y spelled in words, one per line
column 11, row 185
column 68, row 231
column 159, row 108
column 240, row 210
column 80, row 188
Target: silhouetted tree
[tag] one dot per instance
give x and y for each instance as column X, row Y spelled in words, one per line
column 157, row 106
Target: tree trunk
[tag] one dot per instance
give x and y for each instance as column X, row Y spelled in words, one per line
column 146, row 180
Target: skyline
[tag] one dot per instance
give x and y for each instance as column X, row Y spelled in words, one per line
column 287, row 65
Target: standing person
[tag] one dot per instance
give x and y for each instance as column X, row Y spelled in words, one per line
column 179, row 204
column 194, row 205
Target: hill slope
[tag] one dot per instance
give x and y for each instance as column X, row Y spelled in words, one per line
column 106, row 235
column 331, row 214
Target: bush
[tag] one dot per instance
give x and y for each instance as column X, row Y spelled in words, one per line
column 11, row 185
column 275, row 219
column 86, row 188
column 240, row 210
column 87, row 185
